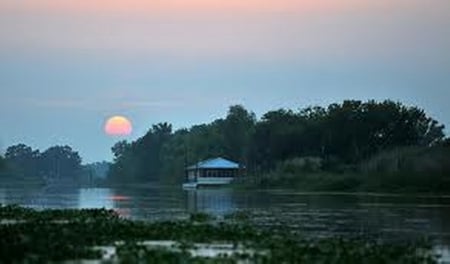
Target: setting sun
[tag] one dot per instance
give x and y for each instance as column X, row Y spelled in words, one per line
column 118, row 126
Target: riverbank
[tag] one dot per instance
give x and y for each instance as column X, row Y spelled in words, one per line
column 60, row 235
column 401, row 170
column 354, row 182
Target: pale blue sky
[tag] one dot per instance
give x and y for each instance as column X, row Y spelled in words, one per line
column 63, row 72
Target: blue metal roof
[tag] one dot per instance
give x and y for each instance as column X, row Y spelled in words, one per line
column 215, row 163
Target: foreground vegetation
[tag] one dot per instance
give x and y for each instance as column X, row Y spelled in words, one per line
column 29, row 236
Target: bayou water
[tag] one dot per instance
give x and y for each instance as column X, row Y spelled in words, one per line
column 374, row 215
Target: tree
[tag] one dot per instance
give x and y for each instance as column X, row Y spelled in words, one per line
column 120, row 148
column 60, row 162
column 238, row 128
column 23, row 160
column 204, row 141
column 2, row 163
column 275, row 138
column 446, row 142
column 140, row 160
column 150, row 149
column 345, row 133
column 355, row 130
column 175, row 156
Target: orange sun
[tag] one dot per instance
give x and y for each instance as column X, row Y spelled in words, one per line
column 118, row 126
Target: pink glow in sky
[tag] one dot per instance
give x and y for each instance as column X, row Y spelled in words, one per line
column 146, row 6
column 264, row 29
column 186, row 61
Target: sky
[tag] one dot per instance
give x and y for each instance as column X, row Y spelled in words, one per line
column 67, row 66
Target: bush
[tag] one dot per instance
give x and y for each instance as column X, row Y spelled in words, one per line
column 301, row 164
column 423, row 169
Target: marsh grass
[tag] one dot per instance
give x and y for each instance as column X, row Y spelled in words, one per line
column 405, row 170
column 39, row 239
column 200, row 217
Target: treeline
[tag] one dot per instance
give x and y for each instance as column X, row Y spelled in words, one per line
column 58, row 162
column 333, row 138
column 2, row 164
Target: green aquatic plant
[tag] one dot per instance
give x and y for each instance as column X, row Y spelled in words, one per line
column 133, row 253
column 239, row 216
column 60, row 235
column 200, row 217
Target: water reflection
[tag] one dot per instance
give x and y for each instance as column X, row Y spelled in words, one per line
column 96, row 198
column 211, row 201
column 394, row 217
column 2, row 196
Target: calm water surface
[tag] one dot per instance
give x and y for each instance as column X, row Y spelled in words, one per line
column 315, row 214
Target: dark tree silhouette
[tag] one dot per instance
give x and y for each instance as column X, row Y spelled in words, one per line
column 23, row 160
column 2, row 163
column 60, row 162
column 344, row 133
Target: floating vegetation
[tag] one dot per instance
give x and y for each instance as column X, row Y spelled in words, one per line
column 200, row 217
column 240, row 215
column 99, row 234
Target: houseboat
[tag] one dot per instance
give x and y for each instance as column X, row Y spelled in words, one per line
column 216, row 171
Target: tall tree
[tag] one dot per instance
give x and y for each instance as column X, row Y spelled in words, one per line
column 141, row 160
column 345, row 133
column 120, row 148
column 60, row 162
column 446, row 142
column 277, row 137
column 23, row 160
column 2, row 163
column 357, row 130
column 238, row 128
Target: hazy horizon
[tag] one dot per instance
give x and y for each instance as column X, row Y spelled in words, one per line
column 65, row 67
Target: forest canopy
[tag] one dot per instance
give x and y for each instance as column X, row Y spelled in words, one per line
column 341, row 134
column 55, row 163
